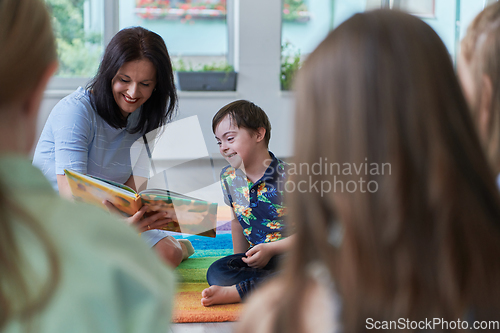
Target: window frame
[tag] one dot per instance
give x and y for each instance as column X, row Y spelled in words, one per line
column 61, row 86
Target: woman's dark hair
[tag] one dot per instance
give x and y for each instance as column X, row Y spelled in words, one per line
column 128, row 45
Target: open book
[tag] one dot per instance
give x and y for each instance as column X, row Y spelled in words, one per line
column 189, row 215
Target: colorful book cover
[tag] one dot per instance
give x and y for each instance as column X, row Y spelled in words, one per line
column 188, row 215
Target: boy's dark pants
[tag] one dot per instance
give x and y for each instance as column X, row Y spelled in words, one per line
column 231, row 270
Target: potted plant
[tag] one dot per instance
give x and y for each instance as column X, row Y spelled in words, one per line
column 295, row 11
column 209, row 77
column 290, row 64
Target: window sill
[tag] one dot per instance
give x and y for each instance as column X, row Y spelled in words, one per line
column 286, row 93
column 57, row 93
column 207, row 94
column 61, row 93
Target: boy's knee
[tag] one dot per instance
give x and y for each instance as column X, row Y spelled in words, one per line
column 220, row 274
column 169, row 250
column 212, row 276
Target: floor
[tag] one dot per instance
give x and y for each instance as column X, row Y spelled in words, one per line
column 226, row 327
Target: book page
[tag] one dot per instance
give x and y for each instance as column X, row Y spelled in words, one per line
column 95, row 190
column 166, row 193
column 187, row 215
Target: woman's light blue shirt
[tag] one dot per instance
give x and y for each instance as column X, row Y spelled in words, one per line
column 76, row 137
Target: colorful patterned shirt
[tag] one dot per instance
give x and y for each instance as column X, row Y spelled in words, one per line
column 258, row 206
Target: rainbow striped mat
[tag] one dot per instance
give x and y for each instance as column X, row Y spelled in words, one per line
column 191, row 275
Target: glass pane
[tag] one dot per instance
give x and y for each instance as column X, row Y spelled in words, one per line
column 442, row 15
column 468, row 11
column 78, row 28
column 344, row 9
column 305, row 23
column 424, row 8
column 195, row 31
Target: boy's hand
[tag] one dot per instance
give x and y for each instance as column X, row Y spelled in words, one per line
column 259, row 255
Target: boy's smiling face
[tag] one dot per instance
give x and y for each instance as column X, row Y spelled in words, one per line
column 236, row 145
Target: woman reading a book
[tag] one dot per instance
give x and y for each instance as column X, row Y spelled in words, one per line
column 64, row 267
column 91, row 131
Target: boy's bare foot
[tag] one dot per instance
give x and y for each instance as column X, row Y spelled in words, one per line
column 220, row 295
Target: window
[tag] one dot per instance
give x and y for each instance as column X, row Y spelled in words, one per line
column 421, row 8
column 449, row 18
column 305, row 23
column 78, row 28
column 195, row 32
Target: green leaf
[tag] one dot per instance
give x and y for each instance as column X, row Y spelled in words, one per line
column 290, row 64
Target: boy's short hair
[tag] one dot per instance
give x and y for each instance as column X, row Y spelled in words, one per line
column 247, row 115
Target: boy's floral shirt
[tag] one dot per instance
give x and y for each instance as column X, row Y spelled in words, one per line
column 258, row 206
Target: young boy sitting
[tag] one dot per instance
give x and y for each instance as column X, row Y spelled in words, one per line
column 253, row 186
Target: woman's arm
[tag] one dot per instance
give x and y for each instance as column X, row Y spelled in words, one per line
column 71, row 128
column 64, row 189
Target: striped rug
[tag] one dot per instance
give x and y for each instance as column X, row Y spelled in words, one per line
column 191, row 275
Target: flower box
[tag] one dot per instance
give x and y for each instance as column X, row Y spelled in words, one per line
column 164, row 9
column 207, row 81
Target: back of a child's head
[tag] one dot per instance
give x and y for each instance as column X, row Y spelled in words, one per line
column 244, row 114
column 27, row 52
column 379, row 95
column 27, row 47
column 480, row 49
column 482, row 40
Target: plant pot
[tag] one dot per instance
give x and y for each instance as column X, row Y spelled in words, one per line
column 207, row 81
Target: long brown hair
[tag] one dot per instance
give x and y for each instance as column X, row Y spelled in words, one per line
column 481, row 50
column 27, row 48
column 421, row 239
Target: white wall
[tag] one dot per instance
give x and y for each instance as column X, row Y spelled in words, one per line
column 257, row 61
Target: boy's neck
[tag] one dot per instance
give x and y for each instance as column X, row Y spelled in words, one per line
column 258, row 166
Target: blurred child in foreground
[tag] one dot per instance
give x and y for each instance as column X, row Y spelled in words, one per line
column 479, row 72
column 64, row 267
column 425, row 241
